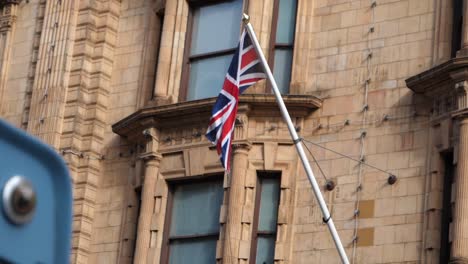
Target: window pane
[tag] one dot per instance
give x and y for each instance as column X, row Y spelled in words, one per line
column 207, row 77
column 269, row 199
column 282, row 69
column 199, row 251
column 286, row 21
column 196, row 208
column 216, row 27
column 265, row 250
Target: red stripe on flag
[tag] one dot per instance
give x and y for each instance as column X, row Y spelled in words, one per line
column 248, row 57
column 219, row 115
column 251, row 80
column 231, row 88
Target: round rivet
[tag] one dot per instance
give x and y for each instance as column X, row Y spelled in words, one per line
column 330, row 185
column 391, row 179
column 19, row 200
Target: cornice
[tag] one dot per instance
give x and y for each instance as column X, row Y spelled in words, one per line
column 439, row 76
column 8, row 12
column 447, row 87
column 198, row 111
column 4, row 3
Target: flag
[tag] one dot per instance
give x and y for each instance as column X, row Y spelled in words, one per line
column 245, row 69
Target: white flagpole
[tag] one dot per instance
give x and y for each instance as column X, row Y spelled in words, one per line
column 297, row 142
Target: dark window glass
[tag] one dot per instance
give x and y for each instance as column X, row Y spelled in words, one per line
column 457, row 27
column 194, row 222
column 282, row 54
column 265, row 222
column 215, row 35
column 445, row 243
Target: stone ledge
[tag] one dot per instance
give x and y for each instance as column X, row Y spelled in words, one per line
column 8, row 2
column 195, row 112
column 438, row 76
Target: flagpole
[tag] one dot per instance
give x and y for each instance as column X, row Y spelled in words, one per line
column 297, row 142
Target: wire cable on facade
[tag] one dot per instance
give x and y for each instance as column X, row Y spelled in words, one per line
column 315, row 160
column 365, row 109
column 51, row 50
column 349, row 157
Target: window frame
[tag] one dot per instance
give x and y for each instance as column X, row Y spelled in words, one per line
column 160, row 17
column 273, row 46
column 256, row 217
column 167, row 239
column 446, row 217
column 187, row 58
column 457, row 27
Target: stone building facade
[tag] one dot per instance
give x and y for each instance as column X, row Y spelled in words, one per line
column 118, row 87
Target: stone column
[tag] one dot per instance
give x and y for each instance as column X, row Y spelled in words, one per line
column 460, row 221
column 233, row 234
column 8, row 14
column 464, row 47
column 152, row 160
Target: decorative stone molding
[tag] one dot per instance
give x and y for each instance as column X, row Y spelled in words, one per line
column 4, row 3
column 460, row 209
column 152, row 164
column 64, row 93
column 195, row 114
column 459, row 261
column 187, row 154
column 8, row 15
column 461, row 89
column 445, row 85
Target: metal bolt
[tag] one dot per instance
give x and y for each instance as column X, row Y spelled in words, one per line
column 330, row 185
column 19, row 200
column 391, row 179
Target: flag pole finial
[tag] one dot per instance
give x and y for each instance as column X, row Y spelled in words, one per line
column 245, row 18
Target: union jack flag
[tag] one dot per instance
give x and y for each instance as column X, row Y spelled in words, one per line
column 245, row 70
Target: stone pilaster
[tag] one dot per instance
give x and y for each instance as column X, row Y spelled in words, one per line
column 233, row 229
column 70, row 99
column 8, row 14
column 52, row 71
column 171, row 52
column 464, row 47
column 460, row 221
column 152, row 160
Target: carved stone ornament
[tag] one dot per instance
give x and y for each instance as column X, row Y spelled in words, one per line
column 186, row 122
column 4, row 3
column 8, row 11
column 461, row 89
column 459, row 261
column 446, row 84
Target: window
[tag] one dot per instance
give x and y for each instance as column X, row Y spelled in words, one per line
column 265, row 219
column 457, row 27
column 192, row 222
column 445, row 240
column 213, row 38
column 282, row 42
column 159, row 24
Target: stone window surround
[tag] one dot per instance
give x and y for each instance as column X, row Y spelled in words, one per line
column 443, row 34
column 185, row 79
column 256, row 217
column 273, row 45
column 168, row 217
column 444, row 87
column 8, row 16
column 169, row 66
column 172, row 160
